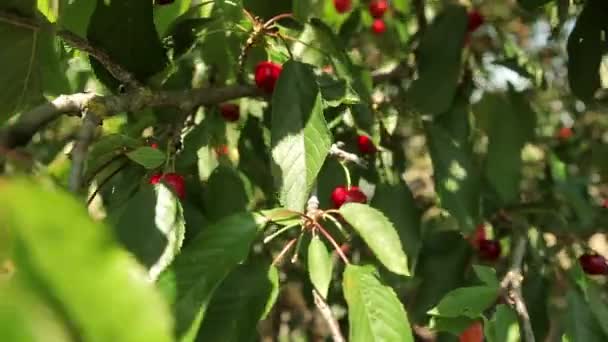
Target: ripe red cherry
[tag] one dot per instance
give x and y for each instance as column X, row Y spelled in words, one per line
column 565, row 133
column 230, row 112
column 474, row 333
column 266, row 75
column 154, row 145
column 155, row 178
column 342, row 6
column 174, row 180
column 478, row 235
column 341, row 195
column 366, row 145
column 475, row 21
column 221, row 150
column 605, row 203
column 593, row 264
column 489, row 250
column 378, row 26
column 163, row 2
column 377, row 8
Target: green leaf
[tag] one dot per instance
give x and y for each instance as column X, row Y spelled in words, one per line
column 148, row 157
column 74, row 15
column 199, row 269
column 503, row 326
column 439, row 72
column 510, row 124
column 487, row 275
column 397, row 203
column 466, row 301
column 585, row 49
column 374, row 310
column 225, row 183
column 151, row 225
column 302, row 9
column 379, row 234
column 580, row 325
column 350, row 26
column 29, row 70
column 59, row 237
column 166, row 15
column 320, row 265
column 300, row 137
column 337, row 92
column 454, row 325
column 183, row 34
column 125, row 30
column 456, row 179
column 243, row 298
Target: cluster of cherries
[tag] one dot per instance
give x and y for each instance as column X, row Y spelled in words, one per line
column 377, row 8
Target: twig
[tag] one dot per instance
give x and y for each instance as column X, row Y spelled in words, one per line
column 115, row 69
column 325, row 311
column 511, row 286
column 81, row 147
column 420, row 15
column 105, row 181
column 336, row 151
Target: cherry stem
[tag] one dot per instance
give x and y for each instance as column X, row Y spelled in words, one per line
column 294, row 258
column 284, row 250
column 332, row 241
column 337, row 223
column 276, row 18
column 279, row 232
column 346, row 174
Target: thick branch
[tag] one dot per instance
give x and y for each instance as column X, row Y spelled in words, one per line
column 21, row 132
column 325, row 311
column 115, row 69
column 511, row 284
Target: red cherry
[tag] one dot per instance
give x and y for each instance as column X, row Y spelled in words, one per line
column 605, row 203
column 154, row 145
column 593, row 264
column 163, row 2
column 155, row 178
column 230, row 112
column 565, row 133
column 489, row 250
column 475, row 21
column 378, row 26
column 342, row 6
column 366, row 145
column 354, row 195
column 176, row 181
column 474, row 333
column 377, row 8
column 266, row 75
column 338, row 196
column 478, row 235
column 221, row 150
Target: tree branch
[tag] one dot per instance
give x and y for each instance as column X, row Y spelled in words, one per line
column 115, row 69
column 420, row 15
column 81, row 147
column 511, row 286
column 325, row 311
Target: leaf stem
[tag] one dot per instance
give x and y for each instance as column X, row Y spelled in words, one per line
column 279, row 232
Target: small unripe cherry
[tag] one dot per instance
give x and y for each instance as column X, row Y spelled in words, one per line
column 489, row 250
column 593, row 264
column 230, row 112
column 342, row 6
column 266, row 75
column 565, row 133
column 377, row 8
column 474, row 333
column 475, row 21
column 366, row 145
column 378, row 26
